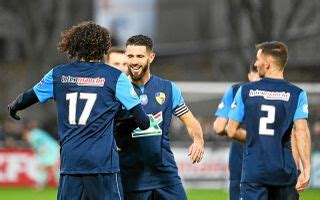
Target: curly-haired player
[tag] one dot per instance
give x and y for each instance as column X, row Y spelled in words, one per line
column 88, row 94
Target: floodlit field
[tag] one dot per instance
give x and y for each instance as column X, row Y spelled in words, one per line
column 196, row 194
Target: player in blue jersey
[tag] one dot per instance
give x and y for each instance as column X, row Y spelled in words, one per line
column 235, row 155
column 88, row 93
column 148, row 168
column 269, row 108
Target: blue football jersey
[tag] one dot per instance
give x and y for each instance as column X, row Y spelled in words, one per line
column 87, row 97
column 236, row 150
column 268, row 109
column 148, row 162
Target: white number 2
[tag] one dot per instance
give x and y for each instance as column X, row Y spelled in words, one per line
column 73, row 98
column 264, row 121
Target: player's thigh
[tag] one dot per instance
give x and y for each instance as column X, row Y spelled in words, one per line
column 138, row 195
column 234, row 189
column 170, row 192
column 284, row 193
column 71, row 188
column 253, row 191
column 103, row 186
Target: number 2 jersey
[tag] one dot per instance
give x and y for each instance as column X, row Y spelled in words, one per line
column 268, row 109
column 87, row 96
column 146, row 161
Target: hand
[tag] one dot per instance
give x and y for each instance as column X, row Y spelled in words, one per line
column 13, row 112
column 303, row 181
column 196, row 151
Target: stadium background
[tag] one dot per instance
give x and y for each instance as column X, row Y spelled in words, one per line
column 203, row 45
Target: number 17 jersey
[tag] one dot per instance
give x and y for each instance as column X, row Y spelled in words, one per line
column 268, row 109
column 87, row 96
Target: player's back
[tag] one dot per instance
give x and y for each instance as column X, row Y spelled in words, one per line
column 270, row 108
column 85, row 95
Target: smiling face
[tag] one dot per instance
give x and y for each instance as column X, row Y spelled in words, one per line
column 139, row 59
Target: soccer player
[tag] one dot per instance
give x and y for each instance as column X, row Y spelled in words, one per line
column 235, row 155
column 87, row 93
column 116, row 58
column 147, row 164
column 269, row 108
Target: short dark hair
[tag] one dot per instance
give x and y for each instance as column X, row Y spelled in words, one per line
column 141, row 40
column 86, row 40
column 275, row 49
column 114, row 50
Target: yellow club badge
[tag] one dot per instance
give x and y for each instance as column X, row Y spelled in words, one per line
column 160, row 97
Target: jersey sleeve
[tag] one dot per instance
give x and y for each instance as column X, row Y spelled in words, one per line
column 302, row 108
column 179, row 107
column 237, row 108
column 44, row 89
column 126, row 93
column 224, row 105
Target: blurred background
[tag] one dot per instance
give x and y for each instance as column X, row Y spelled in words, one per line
column 204, row 46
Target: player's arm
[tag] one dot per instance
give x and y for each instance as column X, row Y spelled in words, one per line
column 129, row 98
column 236, row 115
column 304, row 148
column 294, row 148
column 180, row 109
column 40, row 92
column 221, row 114
column 196, row 150
column 303, row 141
column 23, row 101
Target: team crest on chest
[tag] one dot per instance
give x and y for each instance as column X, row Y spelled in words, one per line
column 160, row 97
column 144, row 99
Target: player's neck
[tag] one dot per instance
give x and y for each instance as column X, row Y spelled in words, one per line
column 274, row 75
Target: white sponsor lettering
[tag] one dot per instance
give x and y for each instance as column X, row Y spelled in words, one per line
column 270, row 95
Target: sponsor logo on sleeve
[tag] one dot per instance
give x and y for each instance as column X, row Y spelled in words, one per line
column 305, row 108
column 233, row 105
column 221, row 105
column 133, row 92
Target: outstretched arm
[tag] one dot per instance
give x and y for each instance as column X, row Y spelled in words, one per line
column 196, row 150
column 23, row 101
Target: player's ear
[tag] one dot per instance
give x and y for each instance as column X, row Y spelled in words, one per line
column 152, row 56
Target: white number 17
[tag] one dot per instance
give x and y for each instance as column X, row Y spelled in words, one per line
column 73, row 98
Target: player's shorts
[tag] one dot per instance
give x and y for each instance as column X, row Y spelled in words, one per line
column 234, row 190
column 253, row 191
column 90, row 187
column 175, row 192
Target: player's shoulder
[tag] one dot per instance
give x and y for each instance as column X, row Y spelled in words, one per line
column 161, row 81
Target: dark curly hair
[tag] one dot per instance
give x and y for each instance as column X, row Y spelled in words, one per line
column 141, row 40
column 85, row 41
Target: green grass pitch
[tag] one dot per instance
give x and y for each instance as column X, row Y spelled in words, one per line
column 193, row 194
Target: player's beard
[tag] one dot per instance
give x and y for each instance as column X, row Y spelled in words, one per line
column 136, row 76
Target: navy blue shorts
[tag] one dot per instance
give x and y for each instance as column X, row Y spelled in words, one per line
column 175, row 192
column 253, row 191
column 234, row 190
column 90, row 187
